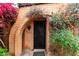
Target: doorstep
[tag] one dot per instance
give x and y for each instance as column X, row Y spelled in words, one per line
column 39, row 52
column 28, row 52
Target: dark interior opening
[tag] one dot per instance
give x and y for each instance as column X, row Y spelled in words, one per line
column 40, row 34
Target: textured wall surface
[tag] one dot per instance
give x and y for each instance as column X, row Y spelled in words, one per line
column 15, row 37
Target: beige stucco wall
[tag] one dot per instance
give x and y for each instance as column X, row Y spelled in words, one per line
column 28, row 37
column 46, row 8
column 15, row 37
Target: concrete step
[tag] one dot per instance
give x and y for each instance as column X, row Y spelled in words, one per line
column 39, row 52
column 35, row 52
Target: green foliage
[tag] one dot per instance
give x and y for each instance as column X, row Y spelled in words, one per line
column 74, row 20
column 4, row 52
column 73, row 9
column 66, row 39
column 58, row 22
column 61, row 35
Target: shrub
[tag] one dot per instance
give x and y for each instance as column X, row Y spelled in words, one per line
column 62, row 33
column 4, row 52
column 7, row 12
column 66, row 39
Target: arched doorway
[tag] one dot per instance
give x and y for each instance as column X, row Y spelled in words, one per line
column 29, row 40
column 36, row 34
column 15, row 37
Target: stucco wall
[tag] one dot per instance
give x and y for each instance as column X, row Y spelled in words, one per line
column 15, row 37
column 28, row 37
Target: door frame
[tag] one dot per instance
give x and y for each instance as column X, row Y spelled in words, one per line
column 47, row 32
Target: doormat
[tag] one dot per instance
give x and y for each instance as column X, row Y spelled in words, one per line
column 39, row 53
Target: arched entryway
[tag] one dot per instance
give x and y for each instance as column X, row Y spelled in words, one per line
column 36, row 34
column 29, row 40
column 16, row 33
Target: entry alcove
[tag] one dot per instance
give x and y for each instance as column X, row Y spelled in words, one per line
column 31, row 30
column 16, row 37
column 27, row 36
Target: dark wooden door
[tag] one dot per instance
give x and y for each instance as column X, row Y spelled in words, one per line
column 39, row 34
